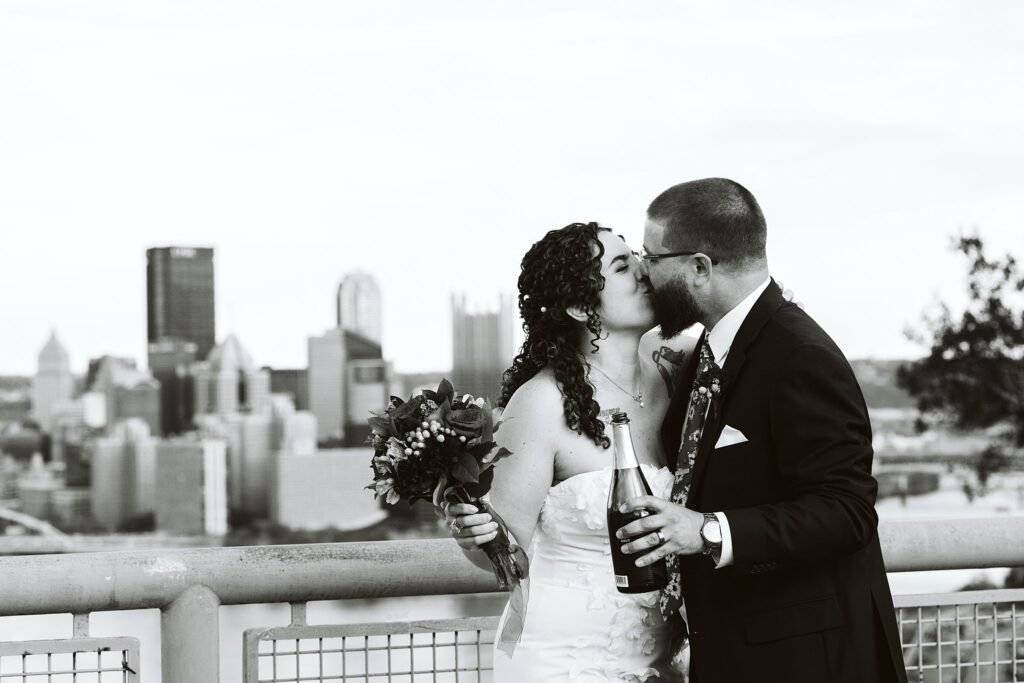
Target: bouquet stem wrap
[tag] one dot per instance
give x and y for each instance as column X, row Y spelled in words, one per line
column 512, row 571
column 439, row 446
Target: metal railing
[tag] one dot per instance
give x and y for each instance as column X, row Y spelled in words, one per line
column 455, row 649
column 971, row 636
column 189, row 586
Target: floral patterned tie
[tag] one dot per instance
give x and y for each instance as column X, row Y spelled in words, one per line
column 707, row 387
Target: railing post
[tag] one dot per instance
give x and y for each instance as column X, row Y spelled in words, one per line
column 190, row 637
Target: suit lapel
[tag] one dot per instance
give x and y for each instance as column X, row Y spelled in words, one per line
column 764, row 308
column 672, row 426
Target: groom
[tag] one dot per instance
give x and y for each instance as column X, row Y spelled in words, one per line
column 771, row 531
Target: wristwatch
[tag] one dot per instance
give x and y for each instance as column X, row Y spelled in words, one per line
column 711, row 534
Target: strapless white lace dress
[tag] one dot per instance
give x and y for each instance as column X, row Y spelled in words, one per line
column 578, row 627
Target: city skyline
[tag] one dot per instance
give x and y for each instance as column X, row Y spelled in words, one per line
column 478, row 303
column 435, row 144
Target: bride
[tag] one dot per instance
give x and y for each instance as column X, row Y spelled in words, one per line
column 585, row 304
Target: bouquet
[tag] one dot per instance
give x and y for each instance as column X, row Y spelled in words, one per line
column 439, row 447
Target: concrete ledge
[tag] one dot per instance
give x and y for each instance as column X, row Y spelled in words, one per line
column 79, row 583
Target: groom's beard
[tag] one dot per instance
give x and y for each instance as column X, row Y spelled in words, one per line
column 675, row 309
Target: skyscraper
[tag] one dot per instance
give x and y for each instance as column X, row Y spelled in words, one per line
column 324, row 489
column 326, row 384
column 169, row 361
column 481, row 347
column 123, row 473
column 294, row 382
column 180, row 296
column 127, row 391
column 348, row 378
column 229, row 382
column 192, row 495
column 233, row 402
column 53, row 383
column 359, row 305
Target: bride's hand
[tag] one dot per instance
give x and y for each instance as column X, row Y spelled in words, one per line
column 468, row 526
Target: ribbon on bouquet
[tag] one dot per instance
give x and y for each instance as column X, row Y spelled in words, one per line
column 512, row 571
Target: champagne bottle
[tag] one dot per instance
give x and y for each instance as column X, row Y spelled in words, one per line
column 628, row 482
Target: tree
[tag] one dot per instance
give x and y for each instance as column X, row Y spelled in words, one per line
column 973, row 375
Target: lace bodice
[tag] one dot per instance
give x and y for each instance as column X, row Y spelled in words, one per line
column 575, row 511
column 614, row 636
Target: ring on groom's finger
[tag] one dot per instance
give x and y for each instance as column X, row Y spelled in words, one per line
column 661, row 537
column 457, row 527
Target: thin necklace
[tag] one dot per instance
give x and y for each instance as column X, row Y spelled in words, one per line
column 638, row 396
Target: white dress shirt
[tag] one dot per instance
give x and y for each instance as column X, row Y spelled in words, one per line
column 720, row 338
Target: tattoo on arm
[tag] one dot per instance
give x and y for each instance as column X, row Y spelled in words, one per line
column 669, row 364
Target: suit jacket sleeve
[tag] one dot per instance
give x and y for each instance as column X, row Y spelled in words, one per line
column 821, row 440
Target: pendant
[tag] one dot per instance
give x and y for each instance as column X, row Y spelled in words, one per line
column 639, row 398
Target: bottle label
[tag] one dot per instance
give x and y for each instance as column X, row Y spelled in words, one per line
column 621, row 581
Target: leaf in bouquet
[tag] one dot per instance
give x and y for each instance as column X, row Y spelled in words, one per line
column 386, row 489
column 381, row 424
column 445, row 391
column 439, row 491
column 396, row 450
column 456, row 494
column 478, row 449
column 480, row 488
column 395, row 401
column 496, row 454
column 467, row 469
column 441, row 414
column 408, row 415
column 487, row 433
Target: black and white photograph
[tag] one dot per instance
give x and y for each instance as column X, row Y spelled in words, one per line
column 380, row 341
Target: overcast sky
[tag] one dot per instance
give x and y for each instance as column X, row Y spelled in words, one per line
column 432, row 142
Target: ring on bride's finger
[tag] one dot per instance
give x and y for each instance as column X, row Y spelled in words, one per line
column 457, row 527
column 661, row 537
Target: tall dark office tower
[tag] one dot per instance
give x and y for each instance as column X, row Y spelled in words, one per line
column 180, row 301
column 169, row 361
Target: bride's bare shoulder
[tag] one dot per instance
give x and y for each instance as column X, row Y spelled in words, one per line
column 537, row 404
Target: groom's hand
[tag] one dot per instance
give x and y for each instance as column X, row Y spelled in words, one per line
column 679, row 527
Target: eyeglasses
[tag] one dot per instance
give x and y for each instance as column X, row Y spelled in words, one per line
column 646, row 258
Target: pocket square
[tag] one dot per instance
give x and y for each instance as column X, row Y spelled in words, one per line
column 730, row 437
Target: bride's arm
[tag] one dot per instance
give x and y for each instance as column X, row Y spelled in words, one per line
column 530, row 426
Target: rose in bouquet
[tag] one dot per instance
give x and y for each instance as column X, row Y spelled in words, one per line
column 440, row 447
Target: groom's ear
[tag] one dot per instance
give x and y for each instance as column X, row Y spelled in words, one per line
column 577, row 313
column 702, row 267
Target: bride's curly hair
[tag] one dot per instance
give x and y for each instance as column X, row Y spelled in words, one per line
column 560, row 271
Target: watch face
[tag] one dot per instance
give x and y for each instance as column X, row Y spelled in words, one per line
column 712, row 531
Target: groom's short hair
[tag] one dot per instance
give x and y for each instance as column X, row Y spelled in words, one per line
column 716, row 216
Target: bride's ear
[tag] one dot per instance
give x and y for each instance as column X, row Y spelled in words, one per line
column 577, row 313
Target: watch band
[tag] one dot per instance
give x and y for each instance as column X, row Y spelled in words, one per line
column 714, row 549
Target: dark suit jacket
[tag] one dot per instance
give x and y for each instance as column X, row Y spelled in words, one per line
column 806, row 599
